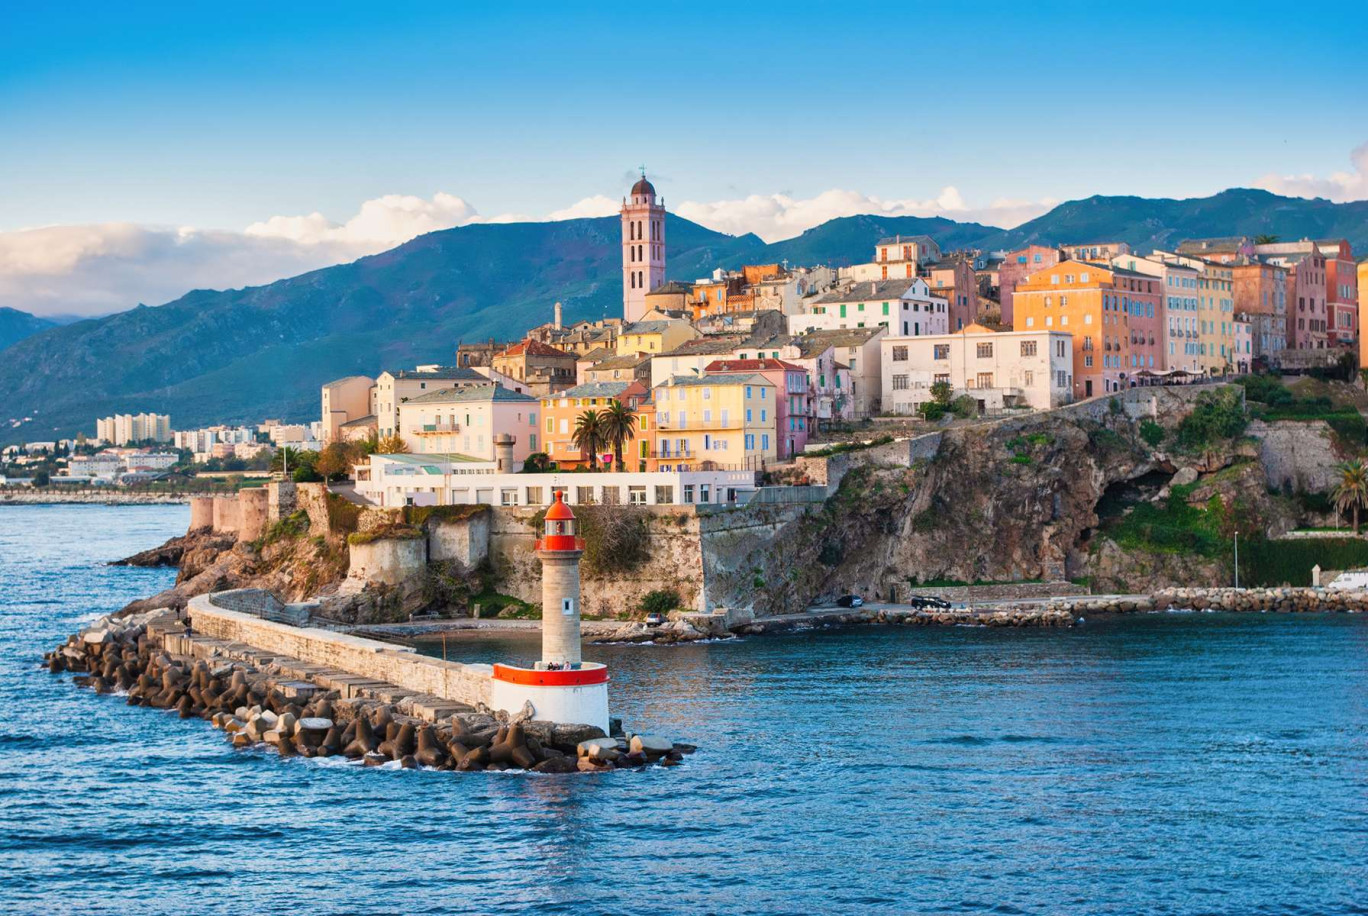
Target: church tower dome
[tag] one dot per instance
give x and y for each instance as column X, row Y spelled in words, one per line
column 643, row 247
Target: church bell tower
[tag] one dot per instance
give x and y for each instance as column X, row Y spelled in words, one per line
column 643, row 247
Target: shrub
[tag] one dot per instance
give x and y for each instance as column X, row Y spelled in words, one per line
column 964, row 407
column 1151, row 432
column 290, row 527
column 343, row 516
column 930, row 410
column 1271, row 563
column 1217, row 416
column 660, row 601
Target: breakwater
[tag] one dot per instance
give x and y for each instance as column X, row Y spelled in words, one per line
column 260, row 698
column 12, row 497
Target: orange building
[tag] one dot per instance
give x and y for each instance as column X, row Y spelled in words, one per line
column 1116, row 318
column 561, row 411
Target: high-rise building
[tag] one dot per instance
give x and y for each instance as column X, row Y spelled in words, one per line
column 643, row 247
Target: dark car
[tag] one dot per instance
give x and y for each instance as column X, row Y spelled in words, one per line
column 850, row 601
column 928, row 602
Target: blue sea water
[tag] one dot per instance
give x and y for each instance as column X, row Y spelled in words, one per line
column 1168, row 763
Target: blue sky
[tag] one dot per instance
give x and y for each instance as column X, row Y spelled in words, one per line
column 184, row 115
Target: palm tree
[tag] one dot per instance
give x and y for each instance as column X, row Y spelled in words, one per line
column 1352, row 490
column 589, row 435
column 1265, row 240
column 619, row 424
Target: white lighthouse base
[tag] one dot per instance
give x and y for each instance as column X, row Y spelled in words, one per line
column 576, row 696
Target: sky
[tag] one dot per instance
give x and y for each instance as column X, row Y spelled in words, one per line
column 147, row 149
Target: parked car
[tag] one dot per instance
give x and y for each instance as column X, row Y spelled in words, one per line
column 655, row 619
column 850, row 601
column 924, row 602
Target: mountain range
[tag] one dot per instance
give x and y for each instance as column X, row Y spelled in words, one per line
column 245, row 354
column 16, row 325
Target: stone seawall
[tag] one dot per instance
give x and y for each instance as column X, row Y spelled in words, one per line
column 13, row 497
column 366, row 658
column 1255, row 600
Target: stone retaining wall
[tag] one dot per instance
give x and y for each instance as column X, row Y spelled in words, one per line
column 1255, row 600
column 365, row 658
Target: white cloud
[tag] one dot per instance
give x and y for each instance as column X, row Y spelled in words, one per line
column 1339, row 187
column 779, row 216
column 97, row 269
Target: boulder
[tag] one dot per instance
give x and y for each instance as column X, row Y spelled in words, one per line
column 598, row 748
column 650, row 745
column 558, row 764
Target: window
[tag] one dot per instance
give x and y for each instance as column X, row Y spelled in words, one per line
column 636, row 495
column 941, row 351
column 1030, row 322
column 900, row 383
column 664, row 495
column 1028, row 378
column 688, row 492
column 985, row 351
column 985, row 380
column 1028, row 348
column 508, row 496
column 534, row 496
column 899, row 354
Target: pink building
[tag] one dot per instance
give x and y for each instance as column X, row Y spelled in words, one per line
column 792, row 415
column 1015, row 267
column 1341, row 291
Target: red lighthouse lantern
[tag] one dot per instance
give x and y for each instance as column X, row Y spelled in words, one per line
column 561, row 531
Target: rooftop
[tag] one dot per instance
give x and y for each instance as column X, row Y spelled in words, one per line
column 593, row 390
column 907, row 240
column 865, row 290
column 648, row 327
column 348, row 378
column 748, row 365
column 534, row 348
column 442, row 373
column 694, row 381
column 472, row 393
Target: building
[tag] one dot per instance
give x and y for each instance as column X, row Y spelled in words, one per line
column 998, row 369
column 394, row 388
column 785, row 290
column 856, row 375
column 690, row 357
column 954, row 280
column 1115, row 317
column 465, row 421
column 901, row 306
column 442, row 480
column 724, row 421
column 897, row 257
column 793, row 415
column 1261, row 296
column 344, row 400
column 1362, row 285
column 1223, row 250
column 632, row 367
column 670, row 297
column 643, row 247
column 1015, row 267
column 1242, row 358
column 561, row 411
column 652, row 337
column 542, row 368
column 1187, row 333
column 127, row 429
column 1341, row 292
column 1094, row 251
column 1216, row 318
column 1307, row 311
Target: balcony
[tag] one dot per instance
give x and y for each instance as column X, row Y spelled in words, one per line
column 435, row 429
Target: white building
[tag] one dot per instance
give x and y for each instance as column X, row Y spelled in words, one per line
column 997, row 368
column 122, row 429
column 441, row 480
column 897, row 256
column 394, row 388
column 904, row 308
column 465, row 421
column 100, row 466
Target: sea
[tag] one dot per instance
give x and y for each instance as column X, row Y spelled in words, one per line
column 1156, row 763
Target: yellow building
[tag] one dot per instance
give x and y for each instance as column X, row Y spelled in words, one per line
column 654, row 337
column 715, row 421
column 1363, row 312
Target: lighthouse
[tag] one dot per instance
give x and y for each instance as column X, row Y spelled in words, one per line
column 561, row 687
column 559, row 550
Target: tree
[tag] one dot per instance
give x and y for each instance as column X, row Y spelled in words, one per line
column 589, row 436
column 619, row 425
column 392, row 445
column 335, row 460
column 1265, row 240
column 1352, row 490
column 942, row 392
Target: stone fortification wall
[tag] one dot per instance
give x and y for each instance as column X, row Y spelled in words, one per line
column 830, row 470
column 313, row 499
column 466, row 541
column 673, row 560
column 227, row 516
column 387, row 560
column 201, row 512
column 366, row 658
column 1296, row 455
column 253, row 508
column 280, row 500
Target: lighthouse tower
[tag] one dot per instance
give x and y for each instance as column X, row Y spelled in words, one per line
column 643, row 247
column 561, row 687
column 560, row 551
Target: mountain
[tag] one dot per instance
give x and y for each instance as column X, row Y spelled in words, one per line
column 241, row 355
column 16, row 325
column 1148, row 223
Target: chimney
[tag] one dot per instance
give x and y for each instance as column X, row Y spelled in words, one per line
column 873, row 287
column 503, row 453
column 558, row 316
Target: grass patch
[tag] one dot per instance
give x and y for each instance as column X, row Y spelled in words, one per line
column 387, row 533
column 1173, row 526
column 843, row 447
